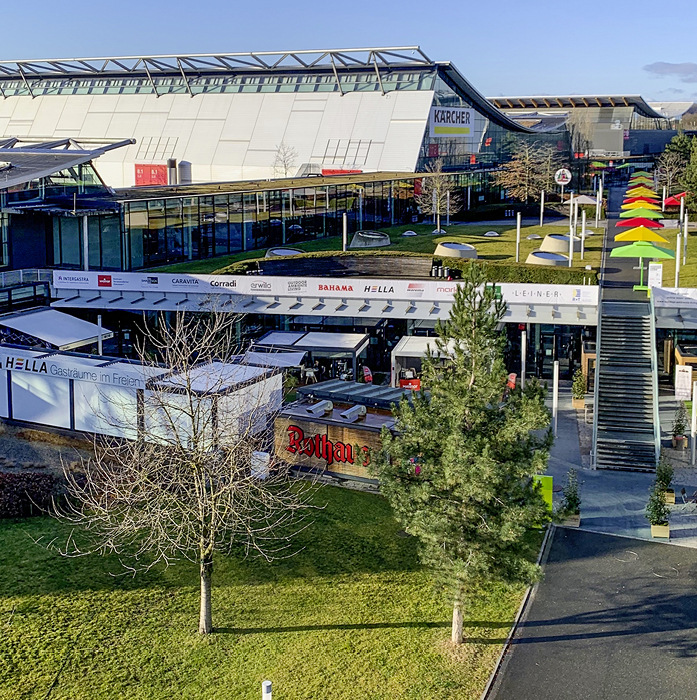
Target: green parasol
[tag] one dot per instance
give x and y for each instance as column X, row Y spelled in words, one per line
column 641, row 250
column 646, row 213
column 624, row 165
column 641, row 173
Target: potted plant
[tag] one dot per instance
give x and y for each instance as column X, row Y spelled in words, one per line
column 664, row 479
column 578, row 389
column 680, row 427
column 657, row 512
column 570, row 506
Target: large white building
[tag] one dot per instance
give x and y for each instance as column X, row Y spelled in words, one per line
column 255, row 116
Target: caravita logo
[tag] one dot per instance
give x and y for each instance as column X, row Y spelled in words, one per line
column 104, row 280
column 229, row 284
column 335, row 287
column 187, row 281
column 260, row 286
column 378, row 289
column 321, row 447
column 25, row 365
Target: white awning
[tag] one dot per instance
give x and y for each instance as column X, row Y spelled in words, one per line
column 418, row 346
column 350, row 343
column 63, row 331
column 273, row 359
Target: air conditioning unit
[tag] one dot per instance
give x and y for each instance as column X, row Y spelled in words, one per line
column 354, row 413
column 321, row 408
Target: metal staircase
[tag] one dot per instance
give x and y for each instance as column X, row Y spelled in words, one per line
column 626, row 435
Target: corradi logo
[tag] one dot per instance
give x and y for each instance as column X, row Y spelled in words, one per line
column 228, row 284
column 104, row 280
column 25, row 364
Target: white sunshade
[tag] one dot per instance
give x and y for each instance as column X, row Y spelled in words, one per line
column 274, row 359
column 416, row 346
column 215, row 376
column 348, row 342
column 279, row 339
column 583, row 199
column 63, row 331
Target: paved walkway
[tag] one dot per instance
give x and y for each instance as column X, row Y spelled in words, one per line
column 614, row 502
column 613, row 619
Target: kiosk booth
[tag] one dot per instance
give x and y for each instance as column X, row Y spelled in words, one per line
column 407, row 357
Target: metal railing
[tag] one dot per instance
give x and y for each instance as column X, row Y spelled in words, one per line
column 654, row 381
column 596, row 384
column 15, row 278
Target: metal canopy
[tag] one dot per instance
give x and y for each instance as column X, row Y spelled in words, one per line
column 26, row 160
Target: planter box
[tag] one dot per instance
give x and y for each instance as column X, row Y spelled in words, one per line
column 572, row 521
column 680, row 442
column 669, row 495
column 660, row 531
column 578, row 403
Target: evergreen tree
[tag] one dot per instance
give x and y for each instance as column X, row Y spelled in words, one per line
column 459, row 470
column 689, row 179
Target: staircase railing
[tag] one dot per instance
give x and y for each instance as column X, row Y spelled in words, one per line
column 654, row 381
column 14, row 278
column 596, row 385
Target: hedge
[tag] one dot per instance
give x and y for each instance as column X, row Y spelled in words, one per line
column 26, row 493
column 495, row 272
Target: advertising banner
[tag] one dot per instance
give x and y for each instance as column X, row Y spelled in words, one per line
column 675, row 297
column 683, row 382
column 315, row 287
column 451, row 122
column 655, row 278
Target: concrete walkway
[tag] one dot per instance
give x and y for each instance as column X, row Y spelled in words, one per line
column 614, row 502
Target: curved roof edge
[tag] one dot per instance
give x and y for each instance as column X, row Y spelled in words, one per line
column 482, row 104
column 641, row 106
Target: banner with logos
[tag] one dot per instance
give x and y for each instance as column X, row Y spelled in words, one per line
column 674, row 297
column 315, row 287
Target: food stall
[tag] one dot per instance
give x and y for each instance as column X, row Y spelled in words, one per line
column 407, row 357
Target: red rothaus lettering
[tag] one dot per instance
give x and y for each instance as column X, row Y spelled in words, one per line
column 321, row 447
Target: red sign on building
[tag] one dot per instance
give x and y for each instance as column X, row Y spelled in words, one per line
column 151, row 175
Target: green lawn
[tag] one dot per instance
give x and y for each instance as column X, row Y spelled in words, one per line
column 351, row 616
column 688, row 273
column 493, row 250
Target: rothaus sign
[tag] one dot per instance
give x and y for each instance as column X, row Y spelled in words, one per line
column 314, row 287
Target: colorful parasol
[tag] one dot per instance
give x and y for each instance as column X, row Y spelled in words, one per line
column 641, row 205
column 640, row 233
column 646, row 213
column 674, row 201
column 639, row 221
column 645, row 198
column 641, row 250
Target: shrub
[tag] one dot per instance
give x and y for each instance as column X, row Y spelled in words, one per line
column 571, row 501
column 657, row 511
column 578, row 387
column 664, row 473
column 25, row 494
column 680, row 420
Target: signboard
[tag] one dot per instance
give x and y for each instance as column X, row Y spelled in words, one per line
column 151, row 175
column 315, row 287
column 562, row 176
column 683, row 382
column 336, row 448
column 411, row 384
column 546, row 489
column 451, row 122
column 675, row 297
column 655, row 278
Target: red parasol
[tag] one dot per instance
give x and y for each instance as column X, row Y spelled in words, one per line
column 674, row 201
column 639, row 221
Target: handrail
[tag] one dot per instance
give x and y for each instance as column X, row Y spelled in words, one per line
column 654, row 381
column 596, row 384
column 13, row 278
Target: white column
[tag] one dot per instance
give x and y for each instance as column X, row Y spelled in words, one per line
column 447, row 213
column 266, row 690
column 542, row 208
column 575, row 216
column 469, row 196
column 517, row 237
column 523, row 357
column 677, row 260
column 571, row 246
column 99, row 334
column 663, row 203
column 85, row 244
column 684, row 238
column 583, row 233
column 682, row 209
column 344, row 232
column 555, row 396
column 571, row 213
column 693, row 427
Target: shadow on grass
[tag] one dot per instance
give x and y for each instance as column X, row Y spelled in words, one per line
column 352, row 626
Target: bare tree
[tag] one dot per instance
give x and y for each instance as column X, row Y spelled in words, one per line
column 285, row 160
column 438, row 193
column 530, row 170
column 581, row 128
column 188, row 483
column 671, row 167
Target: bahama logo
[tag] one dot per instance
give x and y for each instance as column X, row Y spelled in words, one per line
column 25, row 365
column 378, row 289
column 335, row 287
column 321, row 447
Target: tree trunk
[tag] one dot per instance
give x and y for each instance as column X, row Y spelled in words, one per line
column 205, row 620
column 456, row 633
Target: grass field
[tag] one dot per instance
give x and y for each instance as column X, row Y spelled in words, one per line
column 351, row 616
column 688, row 273
column 494, row 250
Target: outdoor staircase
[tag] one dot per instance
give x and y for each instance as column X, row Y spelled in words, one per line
column 625, row 434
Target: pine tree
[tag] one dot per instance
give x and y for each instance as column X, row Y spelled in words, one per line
column 459, row 470
column 689, row 179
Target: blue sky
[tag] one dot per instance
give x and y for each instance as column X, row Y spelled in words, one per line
column 503, row 47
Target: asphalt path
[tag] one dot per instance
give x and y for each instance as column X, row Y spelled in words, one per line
column 613, row 618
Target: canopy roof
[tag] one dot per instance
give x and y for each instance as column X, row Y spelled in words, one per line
column 62, row 331
column 641, row 249
column 640, row 221
column 274, row 359
column 646, row 213
column 582, row 199
column 641, row 205
column 346, row 343
column 640, row 233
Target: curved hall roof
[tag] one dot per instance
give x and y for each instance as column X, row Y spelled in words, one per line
column 640, row 105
